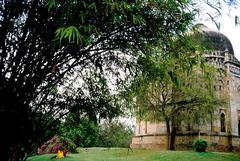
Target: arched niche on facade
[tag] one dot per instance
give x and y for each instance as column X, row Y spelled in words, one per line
column 222, row 122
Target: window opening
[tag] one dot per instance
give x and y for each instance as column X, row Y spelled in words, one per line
column 222, row 122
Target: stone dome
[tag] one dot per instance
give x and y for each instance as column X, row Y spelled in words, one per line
column 215, row 40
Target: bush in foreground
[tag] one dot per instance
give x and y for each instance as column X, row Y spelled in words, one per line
column 200, row 145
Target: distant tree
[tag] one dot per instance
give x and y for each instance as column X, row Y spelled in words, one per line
column 43, row 42
column 170, row 91
column 84, row 133
column 115, row 134
column 87, row 106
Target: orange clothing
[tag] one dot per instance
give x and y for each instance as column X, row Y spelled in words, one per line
column 60, row 154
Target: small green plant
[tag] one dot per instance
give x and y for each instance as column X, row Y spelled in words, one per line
column 200, row 145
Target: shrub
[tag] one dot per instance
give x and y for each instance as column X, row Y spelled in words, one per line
column 200, row 145
column 57, row 143
column 115, row 134
column 84, row 134
column 87, row 133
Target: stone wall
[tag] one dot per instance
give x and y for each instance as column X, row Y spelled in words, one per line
column 150, row 142
column 185, row 142
column 234, row 104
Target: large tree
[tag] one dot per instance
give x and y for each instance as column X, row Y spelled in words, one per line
column 172, row 89
column 42, row 42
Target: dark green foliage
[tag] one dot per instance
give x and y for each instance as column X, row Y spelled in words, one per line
column 43, row 42
column 115, row 134
column 200, row 145
column 149, row 19
column 84, row 133
column 87, row 133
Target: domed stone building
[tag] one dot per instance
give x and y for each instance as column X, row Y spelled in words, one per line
column 222, row 134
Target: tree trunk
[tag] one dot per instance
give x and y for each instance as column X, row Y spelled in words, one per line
column 168, row 134
column 17, row 132
column 173, row 136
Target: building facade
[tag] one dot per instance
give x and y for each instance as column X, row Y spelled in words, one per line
column 223, row 133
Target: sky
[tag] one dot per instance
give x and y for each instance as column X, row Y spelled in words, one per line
column 227, row 24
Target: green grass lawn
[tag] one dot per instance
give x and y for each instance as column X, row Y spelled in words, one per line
column 119, row 154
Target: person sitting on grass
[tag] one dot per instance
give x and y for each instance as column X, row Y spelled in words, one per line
column 60, row 154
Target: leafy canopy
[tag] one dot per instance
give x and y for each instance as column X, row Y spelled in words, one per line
column 176, row 85
column 44, row 43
